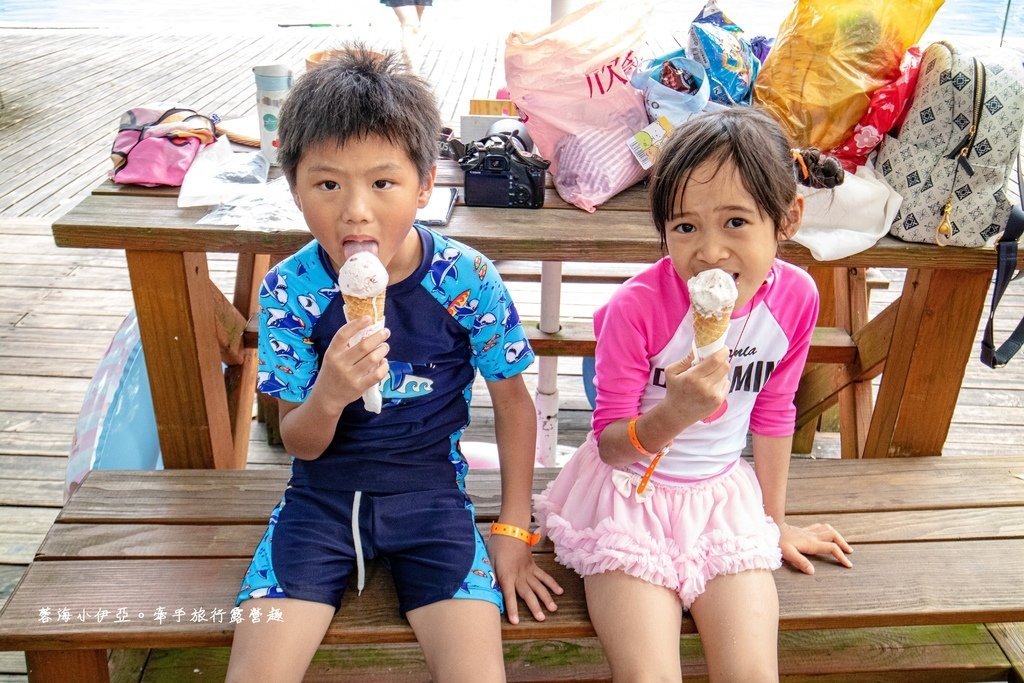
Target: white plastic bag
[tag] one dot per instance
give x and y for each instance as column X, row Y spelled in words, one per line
column 849, row 218
column 571, row 83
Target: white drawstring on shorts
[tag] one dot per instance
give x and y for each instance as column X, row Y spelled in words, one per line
column 358, row 543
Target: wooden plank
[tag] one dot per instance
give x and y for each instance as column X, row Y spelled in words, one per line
column 11, row 664
column 576, row 338
column 175, row 541
column 612, row 236
column 240, row 379
column 916, row 654
column 1010, row 637
column 987, row 574
column 86, row 666
column 188, row 388
column 926, row 362
column 22, row 531
column 815, row 487
column 855, row 400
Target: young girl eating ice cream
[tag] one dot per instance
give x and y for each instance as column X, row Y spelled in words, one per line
column 657, row 510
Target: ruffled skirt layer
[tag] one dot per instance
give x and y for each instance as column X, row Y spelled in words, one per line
column 678, row 535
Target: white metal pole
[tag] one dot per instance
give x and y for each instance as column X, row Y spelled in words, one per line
column 559, row 8
column 547, row 368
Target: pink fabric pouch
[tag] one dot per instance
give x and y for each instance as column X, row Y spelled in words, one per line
column 155, row 145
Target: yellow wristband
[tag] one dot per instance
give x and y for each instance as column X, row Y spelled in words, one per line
column 515, row 532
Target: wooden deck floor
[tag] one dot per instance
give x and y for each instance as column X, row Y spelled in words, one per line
column 63, row 92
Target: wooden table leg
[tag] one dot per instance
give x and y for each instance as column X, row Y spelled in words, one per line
column 851, row 313
column 176, row 323
column 80, row 666
column 240, row 380
column 933, row 337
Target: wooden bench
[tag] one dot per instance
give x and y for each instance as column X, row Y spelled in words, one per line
column 939, row 561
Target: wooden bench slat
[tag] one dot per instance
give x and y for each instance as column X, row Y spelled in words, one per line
column 576, row 338
column 815, row 487
column 164, row 541
column 170, row 541
column 939, row 583
column 1010, row 637
column 616, row 273
column 915, row 654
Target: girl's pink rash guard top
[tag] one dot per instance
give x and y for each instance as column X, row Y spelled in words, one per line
column 647, row 325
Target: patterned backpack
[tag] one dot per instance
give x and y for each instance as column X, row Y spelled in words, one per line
column 951, row 157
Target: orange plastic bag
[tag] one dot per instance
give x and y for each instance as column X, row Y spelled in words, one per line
column 829, row 56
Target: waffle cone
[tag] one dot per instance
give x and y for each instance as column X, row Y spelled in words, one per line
column 709, row 329
column 357, row 306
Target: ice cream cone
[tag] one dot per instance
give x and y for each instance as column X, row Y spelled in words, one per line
column 712, row 297
column 363, row 281
column 707, row 329
column 357, row 306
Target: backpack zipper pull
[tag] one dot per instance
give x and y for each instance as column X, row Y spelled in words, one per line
column 945, row 229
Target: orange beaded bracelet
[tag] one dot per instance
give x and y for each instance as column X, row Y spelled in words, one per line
column 515, row 532
column 631, row 430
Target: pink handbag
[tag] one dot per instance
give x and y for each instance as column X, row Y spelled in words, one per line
column 155, row 145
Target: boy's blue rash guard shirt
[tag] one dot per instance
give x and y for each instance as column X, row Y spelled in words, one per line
column 449, row 318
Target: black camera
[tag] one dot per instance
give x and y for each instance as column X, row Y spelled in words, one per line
column 501, row 173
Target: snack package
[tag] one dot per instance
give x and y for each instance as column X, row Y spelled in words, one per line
column 829, row 56
column 363, row 282
column 718, row 44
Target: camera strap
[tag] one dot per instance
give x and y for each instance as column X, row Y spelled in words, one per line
column 498, row 143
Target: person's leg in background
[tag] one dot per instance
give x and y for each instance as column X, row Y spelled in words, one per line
column 410, row 17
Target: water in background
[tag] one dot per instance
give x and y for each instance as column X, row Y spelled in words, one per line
column 980, row 22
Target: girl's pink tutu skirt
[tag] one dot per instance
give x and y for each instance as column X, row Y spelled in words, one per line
column 680, row 534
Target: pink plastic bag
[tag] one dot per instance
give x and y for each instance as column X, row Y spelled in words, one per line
column 570, row 82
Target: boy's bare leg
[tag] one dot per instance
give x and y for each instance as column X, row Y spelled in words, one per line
column 461, row 640
column 638, row 625
column 278, row 650
column 738, row 619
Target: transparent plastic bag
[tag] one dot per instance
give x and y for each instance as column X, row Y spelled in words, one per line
column 271, row 208
column 220, row 175
column 828, row 58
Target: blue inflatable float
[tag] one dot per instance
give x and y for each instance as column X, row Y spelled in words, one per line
column 116, row 428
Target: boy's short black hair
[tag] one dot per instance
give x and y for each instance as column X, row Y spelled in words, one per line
column 354, row 93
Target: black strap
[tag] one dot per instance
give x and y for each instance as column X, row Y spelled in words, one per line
column 1006, row 250
column 503, row 142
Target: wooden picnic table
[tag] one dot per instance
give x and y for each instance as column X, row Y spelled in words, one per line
column 923, row 340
